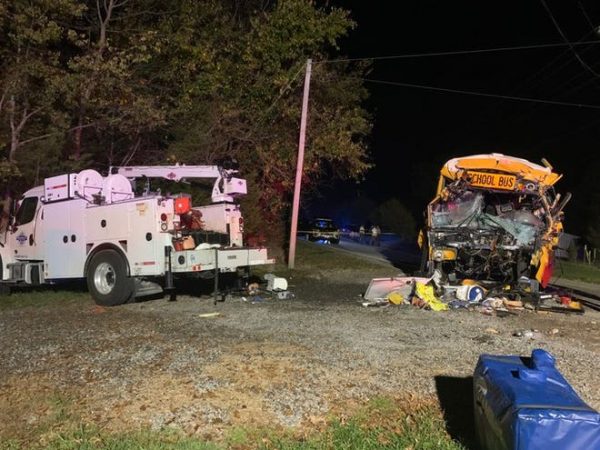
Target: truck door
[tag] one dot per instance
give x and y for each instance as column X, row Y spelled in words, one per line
column 22, row 236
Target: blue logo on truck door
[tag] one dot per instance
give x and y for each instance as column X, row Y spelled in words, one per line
column 21, row 238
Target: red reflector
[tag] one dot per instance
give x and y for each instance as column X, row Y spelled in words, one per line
column 163, row 217
column 182, row 205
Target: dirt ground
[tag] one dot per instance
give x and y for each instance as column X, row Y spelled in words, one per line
column 277, row 363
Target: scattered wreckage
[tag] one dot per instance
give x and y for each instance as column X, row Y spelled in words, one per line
column 489, row 240
column 487, row 297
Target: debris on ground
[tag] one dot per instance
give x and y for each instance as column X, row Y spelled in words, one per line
column 209, row 315
column 260, row 290
column 532, row 334
column 487, row 297
column 275, row 283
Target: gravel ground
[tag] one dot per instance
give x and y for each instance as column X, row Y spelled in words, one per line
column 280, row 363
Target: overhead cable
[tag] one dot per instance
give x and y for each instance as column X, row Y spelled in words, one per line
column 587, row 17
column 459, row 52
column 481, row 94
column 570, row 44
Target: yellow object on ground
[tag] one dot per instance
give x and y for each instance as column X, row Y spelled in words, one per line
column 208, row 315
column 425, row 292
column 395, row 298
column 574, row 304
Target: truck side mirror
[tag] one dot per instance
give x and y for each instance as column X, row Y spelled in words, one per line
column 12, row 215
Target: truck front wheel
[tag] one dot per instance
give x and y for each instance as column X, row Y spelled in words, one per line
column 107, row 279
column 4, row 288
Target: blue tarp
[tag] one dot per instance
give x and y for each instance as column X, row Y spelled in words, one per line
column 526, row 404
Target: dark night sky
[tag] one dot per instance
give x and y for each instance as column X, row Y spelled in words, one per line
column 416, row 131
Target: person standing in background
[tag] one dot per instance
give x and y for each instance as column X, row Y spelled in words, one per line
column 375, row 232
column 361, row 234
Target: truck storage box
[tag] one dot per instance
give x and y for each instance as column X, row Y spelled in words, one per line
column 61, row 187
column 526, row 404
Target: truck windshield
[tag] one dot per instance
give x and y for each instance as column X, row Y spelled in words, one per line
column 26, row 211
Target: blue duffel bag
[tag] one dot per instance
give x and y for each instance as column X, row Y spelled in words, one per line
column 526, row 404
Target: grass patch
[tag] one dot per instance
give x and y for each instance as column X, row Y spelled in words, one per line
column 89, row 438
column 312, row 257
column 320, row 256
column 383, row 423
column 577, row 271
column 42, row 297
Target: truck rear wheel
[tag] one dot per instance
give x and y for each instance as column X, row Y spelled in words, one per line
column 107, row 279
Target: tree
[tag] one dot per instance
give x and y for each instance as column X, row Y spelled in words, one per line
column 242, row 95
column 191, row 81
column 31, row 74
column 394, row 216
column 108, row 81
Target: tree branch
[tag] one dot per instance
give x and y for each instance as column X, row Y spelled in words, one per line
column 54, row 133
column 11, row 118
column 98, row 10
column 131, row 154
column 25, row 117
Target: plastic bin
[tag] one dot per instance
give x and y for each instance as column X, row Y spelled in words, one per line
column 526, row 404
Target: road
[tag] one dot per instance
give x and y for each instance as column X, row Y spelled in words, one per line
column 401, row 253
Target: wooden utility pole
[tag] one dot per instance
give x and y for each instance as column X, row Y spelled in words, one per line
column 299, row 167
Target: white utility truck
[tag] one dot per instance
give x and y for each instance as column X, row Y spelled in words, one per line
column 86, row 226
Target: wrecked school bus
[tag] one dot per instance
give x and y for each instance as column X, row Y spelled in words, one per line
column 494, row 217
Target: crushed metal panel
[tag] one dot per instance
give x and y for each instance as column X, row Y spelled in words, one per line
column 380, row 287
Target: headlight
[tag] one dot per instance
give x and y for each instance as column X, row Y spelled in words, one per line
column 443, row 254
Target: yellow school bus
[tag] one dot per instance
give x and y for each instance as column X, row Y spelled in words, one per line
column 494, row 217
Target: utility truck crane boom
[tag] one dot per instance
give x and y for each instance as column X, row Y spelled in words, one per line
column 225, row 189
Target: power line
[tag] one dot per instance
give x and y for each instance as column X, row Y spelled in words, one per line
column 481, row 94
column 587, row 17
column 570, row 44
column 566, row 63
column 459, row 52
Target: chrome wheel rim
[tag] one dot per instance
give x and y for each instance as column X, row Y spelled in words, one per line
column 104, row 278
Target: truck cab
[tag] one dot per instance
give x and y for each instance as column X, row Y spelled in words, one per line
column 20, row 239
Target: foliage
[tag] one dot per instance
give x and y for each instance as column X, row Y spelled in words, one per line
column 251, row 111
column 393, row 216
column 31, row 72
column 94, row 83
column 577, row 271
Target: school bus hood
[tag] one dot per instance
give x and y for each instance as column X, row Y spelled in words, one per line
column 497, row 162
